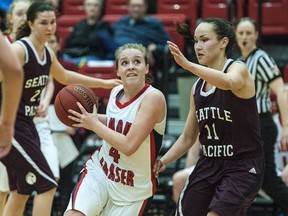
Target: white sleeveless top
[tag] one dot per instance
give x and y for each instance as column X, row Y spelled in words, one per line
column 130, row 178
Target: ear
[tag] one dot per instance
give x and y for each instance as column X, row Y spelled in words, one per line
column 224, row 42
column 30, row 24
column 257, row 35
column 147, row 69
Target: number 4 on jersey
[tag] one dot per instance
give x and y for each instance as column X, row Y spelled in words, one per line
column 114, row 153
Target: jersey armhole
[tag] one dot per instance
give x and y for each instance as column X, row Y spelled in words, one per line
column 25, row 50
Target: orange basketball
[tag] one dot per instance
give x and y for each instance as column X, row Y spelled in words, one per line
column 68, row 97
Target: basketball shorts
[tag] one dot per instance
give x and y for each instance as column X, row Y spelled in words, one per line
column 4, row 185
column 90, row 196
column 189, row 170
column 47, row 145
column 227, row 187
column 26, row 165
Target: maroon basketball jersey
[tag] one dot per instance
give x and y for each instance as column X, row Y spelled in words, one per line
column 36, row 74
column 228, row 125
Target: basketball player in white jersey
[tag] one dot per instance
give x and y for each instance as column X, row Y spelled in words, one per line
column 118, row 179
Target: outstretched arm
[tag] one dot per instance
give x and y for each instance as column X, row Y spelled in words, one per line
column 68, row 77
column 234, row 80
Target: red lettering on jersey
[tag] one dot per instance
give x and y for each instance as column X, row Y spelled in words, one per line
column 130, row 180
column 123, row 177
column 117, row 174
column 127, row 128
column 111, row 175
column 114, row 153
column 111, row 124
column 104, row 166
column 119, row 127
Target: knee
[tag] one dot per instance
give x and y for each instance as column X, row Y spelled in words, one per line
column 179, row 179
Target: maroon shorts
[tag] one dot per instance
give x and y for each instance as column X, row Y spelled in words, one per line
column 227, row 187
column 27, row 167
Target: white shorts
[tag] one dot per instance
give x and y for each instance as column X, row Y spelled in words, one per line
column 91, row 195
column 4, row 182
column 48, row 147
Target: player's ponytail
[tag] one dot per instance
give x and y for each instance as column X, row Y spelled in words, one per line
column 23, row 31
column 184, row 30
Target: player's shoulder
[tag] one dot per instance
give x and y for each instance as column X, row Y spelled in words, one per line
column 154, row 95
column 239, row 65
column 21, row 51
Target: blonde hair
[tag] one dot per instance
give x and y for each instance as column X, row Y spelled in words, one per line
column 137, row 46
column 10, row 11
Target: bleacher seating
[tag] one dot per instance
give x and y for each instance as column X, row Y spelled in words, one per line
column 65, row 24
column 274, row 16
column 186, row 7
column 231, row 10
column 214, row 8
column 73, row 7
column 116, row 7
column 169, row 21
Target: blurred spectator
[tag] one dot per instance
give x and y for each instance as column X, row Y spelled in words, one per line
column 86, row 41
column 138, row 27
column 4, row 7
column 16, row 17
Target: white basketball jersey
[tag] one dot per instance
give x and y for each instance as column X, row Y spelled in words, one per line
column 130, row 178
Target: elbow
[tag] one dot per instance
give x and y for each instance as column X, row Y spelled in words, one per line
column 227, row 85
column 129, row 151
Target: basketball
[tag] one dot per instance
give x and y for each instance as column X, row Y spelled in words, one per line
column 68, row 97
